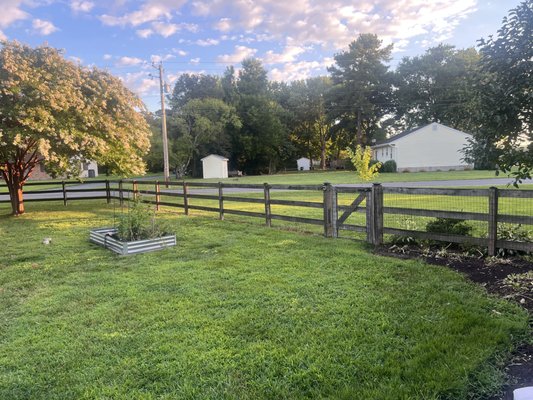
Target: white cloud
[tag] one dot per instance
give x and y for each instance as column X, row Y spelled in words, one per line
column 144, row 33
column 128, row 61
column 140, row 83
column 2, row 36
column 337, row 23
column 81, row 5
column 151, row 10
column 165, row 29
column 207, row 42
column 240, row 53
column 195, row 60
column 11, row 12
column 43, row 27
column 77, row 60
column 156, row 58
column 107, row 57
column 289, row 54
column 179, row 52
column 300, row 70
column 224, row 25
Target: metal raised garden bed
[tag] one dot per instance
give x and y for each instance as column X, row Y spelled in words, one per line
column 104, row 237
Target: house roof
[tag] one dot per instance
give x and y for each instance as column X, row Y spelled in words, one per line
column 221, row 158
column 398, row 136
column 408, row 132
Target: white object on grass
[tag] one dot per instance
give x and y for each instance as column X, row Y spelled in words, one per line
column 525, row 393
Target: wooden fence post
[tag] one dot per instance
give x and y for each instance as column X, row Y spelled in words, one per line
column 157, row 195
column 220, row 202
column 369, row 217
column 268, row 211
column 377, row 203
column 330, row 210
column 64, row 193
column 135, row 190
column 107, row 191
column 493, row 220
column 121, row 192
column 185, row 198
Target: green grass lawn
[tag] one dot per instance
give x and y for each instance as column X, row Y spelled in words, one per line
column 235, row 311
column 340, row 177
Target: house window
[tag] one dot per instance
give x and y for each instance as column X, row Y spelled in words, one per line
column 85, row 166
column 41, row 167
column 387, row 152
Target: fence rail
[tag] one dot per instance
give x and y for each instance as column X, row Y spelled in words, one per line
column 365, row 205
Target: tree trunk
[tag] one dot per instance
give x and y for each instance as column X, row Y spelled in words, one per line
column 322, row 153
column 16, row 196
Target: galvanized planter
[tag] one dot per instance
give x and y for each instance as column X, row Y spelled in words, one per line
column 103, row 237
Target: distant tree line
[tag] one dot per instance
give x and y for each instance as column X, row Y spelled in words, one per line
column 264, row 126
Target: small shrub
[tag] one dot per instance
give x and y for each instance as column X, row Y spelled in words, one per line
column 449, row 226
column 389, row 166
column 140, row 223
column 361, row 160
column 513, row 233
column 403, row 240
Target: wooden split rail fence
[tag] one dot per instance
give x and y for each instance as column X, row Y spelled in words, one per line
column 335, row 215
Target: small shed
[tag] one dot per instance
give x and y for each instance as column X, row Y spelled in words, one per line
column 304, row 164
column 215, row 166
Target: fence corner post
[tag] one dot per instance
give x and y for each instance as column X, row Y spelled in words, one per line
column 220, row 201
column 185, row 198
column 377, row 217
column 157, row 194
column 107, row 191
column 493, row 221
column 330, row 210
column 268, row 210
column 369, row 216
column 135, row 190
column 121, row 192
column 64, row 193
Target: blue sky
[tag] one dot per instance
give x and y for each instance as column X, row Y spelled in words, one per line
column 295, row 39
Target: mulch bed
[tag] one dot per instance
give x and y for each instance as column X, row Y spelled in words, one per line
column 489, row 273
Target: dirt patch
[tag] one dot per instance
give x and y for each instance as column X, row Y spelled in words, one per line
column 498, row 277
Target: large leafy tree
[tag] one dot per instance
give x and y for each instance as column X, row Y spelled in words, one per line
column 507, row 93
column 362, row 88
column 203, row 126
column 56, row 112
column 438, row 86
column 311, row 129
column 195, row 86
column 261, row 144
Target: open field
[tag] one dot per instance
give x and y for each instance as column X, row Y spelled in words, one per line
column 348, row 177
column 310, row 178
column 235, row 311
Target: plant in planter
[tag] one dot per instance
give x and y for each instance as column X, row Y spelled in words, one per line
column 137, row 231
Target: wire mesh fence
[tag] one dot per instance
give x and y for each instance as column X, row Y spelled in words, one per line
column 487, row 217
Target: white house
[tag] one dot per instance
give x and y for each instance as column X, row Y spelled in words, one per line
column 429, row 148
column 304, row 164
column 215, row 166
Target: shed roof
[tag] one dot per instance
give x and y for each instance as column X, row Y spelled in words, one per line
column 221, row 158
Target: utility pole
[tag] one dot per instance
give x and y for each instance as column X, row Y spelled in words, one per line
column 166, row 171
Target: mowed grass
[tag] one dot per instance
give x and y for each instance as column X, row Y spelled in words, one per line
column 350, row 177
column 235, row 311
